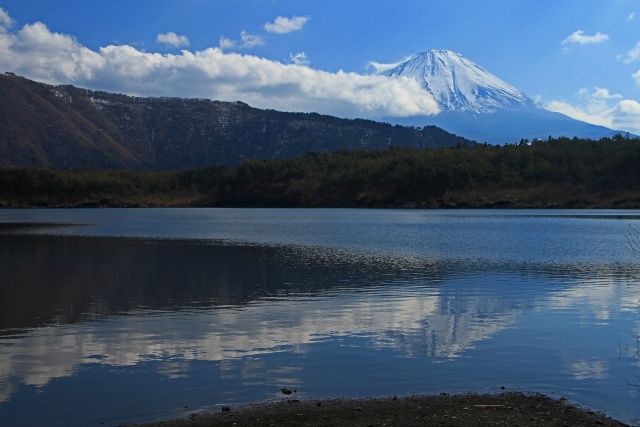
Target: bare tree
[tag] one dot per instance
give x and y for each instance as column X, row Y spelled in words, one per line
column 633, row 240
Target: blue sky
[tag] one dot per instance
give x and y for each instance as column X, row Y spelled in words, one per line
column 577, row 57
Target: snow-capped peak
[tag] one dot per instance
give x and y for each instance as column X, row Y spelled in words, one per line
column 458, row 84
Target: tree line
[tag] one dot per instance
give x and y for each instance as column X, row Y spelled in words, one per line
column 557, row 172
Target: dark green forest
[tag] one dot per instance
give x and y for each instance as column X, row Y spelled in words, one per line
column 558, row 172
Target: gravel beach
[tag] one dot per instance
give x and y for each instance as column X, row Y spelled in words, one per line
column 505, row 409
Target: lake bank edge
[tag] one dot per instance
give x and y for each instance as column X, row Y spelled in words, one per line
column 466, row 409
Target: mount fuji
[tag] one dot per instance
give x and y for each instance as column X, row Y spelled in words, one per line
column 477, row 105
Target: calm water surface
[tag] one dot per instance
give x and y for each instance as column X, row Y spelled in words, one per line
column 122, row 316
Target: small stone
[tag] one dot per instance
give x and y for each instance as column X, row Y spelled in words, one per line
column 226, row 408
column 286, row 391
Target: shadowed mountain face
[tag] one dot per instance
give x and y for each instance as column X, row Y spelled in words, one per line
column 64, row 127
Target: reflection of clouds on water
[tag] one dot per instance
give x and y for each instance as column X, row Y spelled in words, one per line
column 438, row 322
column 7, row 388
column 584, row 369
column 413, row 320
column 173, row 369
column 598, row 297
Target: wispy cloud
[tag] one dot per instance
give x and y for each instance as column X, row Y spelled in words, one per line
column 40, row 54
column 6, row 21
column 250, row 40
column 580, row 38
column 636, row 78
column 226, row 43
column 601, row 107
column 379, row 67
column 247, row 41
column 631, row 16
column 631, row 56
column 299, row 58
column 172, row 39
column 603, row 93
column 283, row 25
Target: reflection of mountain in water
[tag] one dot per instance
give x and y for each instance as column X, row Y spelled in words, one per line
column 199, row 301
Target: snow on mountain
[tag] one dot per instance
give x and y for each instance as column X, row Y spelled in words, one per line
column 458, row 84
column 477, row 105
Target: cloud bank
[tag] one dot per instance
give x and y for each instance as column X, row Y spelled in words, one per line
column 600, row 107
column 40, row 54
column 34, row 51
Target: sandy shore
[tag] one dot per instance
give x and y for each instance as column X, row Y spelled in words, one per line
column 506, row 409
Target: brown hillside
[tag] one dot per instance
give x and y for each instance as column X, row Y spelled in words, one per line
column 64, row 127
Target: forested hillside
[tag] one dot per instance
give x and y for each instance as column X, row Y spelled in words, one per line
column 554, row 173
column 64, row 127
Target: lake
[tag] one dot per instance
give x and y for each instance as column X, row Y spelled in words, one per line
column 114, row 316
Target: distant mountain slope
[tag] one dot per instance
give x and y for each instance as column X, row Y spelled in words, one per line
column 478, row 105
column 458, row 84
column 66, row 127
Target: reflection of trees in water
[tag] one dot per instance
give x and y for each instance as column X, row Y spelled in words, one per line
column 63, row 279
column 633, row 240
column 633, row 243
column 66, row 279
column 241, row 300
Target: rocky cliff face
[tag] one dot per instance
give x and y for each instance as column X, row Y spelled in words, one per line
column 66, row 127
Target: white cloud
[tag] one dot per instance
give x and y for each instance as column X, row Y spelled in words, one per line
column 579, row 38
column 379, row 67
column 631, row 16
column 578, row 113
column 299, row 58
column 283, row 25
column 173, row 39
column 250, row 40
column 37, row 53
column 601, row 107
column 631, row 56
column 246, row 41
column 5, row 20
column 602, row 93
column 226, row 43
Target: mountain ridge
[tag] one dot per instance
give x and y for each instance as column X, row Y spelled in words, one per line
column 65, row 127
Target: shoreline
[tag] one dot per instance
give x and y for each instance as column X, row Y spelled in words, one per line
column 503, row 409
